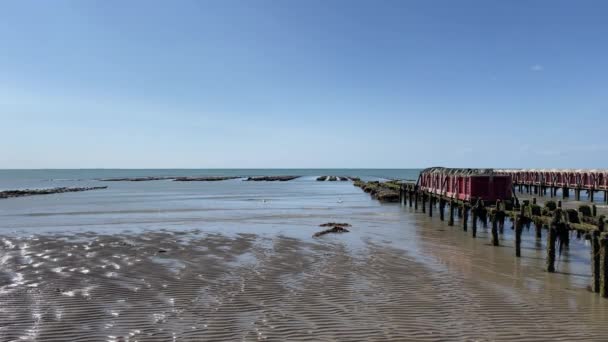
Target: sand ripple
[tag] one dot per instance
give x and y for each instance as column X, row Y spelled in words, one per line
column 192, row 287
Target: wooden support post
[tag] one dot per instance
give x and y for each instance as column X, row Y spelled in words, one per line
column 451, row 217
column 551, row 239
column 594, row 210
column 539, row 230
column 595, row 261
column 577, row 194
column 565, row 192
column 424, row 195
column 519, row 227
column 591, row 195
column 552, row 192
column 604, row 265
column 410, row 197
column 431, row 205
column 416, row 199
column 441, row 207
column 474, row 220
column 494, row 229
column 559, row 204
column 465, row 217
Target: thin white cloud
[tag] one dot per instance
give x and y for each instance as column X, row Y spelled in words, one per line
column 537, row 68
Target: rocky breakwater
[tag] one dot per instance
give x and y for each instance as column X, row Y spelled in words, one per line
column 34, row 192
column 336, row 178
column 382, row 191
column 135, row 179
column 271, row 178
column 204, row 179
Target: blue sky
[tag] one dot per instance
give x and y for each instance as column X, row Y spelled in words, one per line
column 257, row 84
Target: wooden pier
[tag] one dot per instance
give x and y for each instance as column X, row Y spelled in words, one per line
column 558, row 222
column 539, row 182
column 473, row 211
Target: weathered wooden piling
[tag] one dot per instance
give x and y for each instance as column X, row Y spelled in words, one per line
column 441, row 209
column 410, row 198
column 551, row 240
column 604, row 264
column 495, row 229
column 591, row 194
column 424, row 202
column 595, row 261
column 431, row 205
column 594, row 210
column 539, row 230
column 465, row 217
column 565, row 192
column 451, row 217
column 519, row 227
column 577, row 194
column 416, row 200
column 474, row 221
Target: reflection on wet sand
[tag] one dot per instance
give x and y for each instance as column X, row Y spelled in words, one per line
column 440, row 284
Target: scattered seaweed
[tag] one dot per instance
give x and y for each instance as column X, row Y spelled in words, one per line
column 334, row 229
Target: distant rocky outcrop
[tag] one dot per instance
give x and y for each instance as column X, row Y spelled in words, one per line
column 34, row 192
column 203, row 179
column 272, row 178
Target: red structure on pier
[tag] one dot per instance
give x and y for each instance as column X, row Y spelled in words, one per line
column 584, row 179
column 466, row 184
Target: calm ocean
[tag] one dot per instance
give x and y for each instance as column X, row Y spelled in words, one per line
column 231, row 205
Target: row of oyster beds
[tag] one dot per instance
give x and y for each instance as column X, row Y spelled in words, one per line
column 382, row 191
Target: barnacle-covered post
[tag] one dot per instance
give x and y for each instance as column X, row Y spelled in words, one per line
column 552, row 239
column 595, row 260
column 539, row 229
column 604, row 264
column 518, row 229
column 474, row 216
column 424, row 196
column 451, row 217
column 494, row 217
column 411, row 193
column 465, row 216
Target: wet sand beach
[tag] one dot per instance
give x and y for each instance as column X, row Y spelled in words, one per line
column 256, row 273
